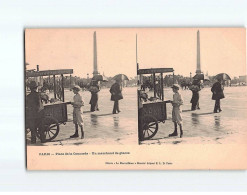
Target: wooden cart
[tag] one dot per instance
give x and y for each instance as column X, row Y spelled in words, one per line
column 152, row 112
column 54, row 113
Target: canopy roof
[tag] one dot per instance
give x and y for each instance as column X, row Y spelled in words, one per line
column 49, row 72
column 154, row 70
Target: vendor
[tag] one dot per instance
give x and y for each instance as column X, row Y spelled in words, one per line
column 35, row 112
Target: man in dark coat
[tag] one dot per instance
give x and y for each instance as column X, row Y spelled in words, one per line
column 35, row 112
column 195, row 88
column 116, row 95
column 218, row 94
column 94, row 89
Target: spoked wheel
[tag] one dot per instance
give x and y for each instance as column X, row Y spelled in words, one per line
column 50, row 127
column 150, row 127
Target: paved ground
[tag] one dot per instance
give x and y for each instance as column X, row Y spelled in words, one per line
column 102, row 127
column 203, row 126
column 200, row 126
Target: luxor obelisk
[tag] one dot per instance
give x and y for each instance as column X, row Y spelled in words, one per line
column 95, row 65
column 198, row 64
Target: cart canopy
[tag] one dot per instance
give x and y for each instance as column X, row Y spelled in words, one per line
column 49, row 72
column 154, row 70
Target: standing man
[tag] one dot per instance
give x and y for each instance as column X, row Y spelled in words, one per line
column 218, row 94
column 94, row 89
column 195, row 88
column 35, row 112
column 116, row 95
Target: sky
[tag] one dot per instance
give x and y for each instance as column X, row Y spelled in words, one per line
column 221, row 49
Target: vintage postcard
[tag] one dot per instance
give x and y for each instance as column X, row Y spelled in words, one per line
column 135, row 98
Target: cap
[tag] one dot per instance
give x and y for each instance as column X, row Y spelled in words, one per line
column 76, row 87
column 33, row 85
column 175, row 86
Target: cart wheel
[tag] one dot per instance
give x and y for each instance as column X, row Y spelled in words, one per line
column 150, row 127
column 51, row 128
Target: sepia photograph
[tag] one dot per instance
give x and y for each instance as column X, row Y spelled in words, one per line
column 81, row 87
column 192, row 86
column 116, row 98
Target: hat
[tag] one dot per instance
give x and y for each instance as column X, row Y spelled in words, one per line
column 33, row 85
column 175, row 86
column 76, row 87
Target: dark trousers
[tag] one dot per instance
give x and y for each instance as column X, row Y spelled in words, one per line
column 33, row 129
column 36, row 126
column 217, row 105
column 195, row 105
column 94, row 102
column 115, row 107
column 140, row 124
column 94, row 106
column 195, row 101
column 37, row 129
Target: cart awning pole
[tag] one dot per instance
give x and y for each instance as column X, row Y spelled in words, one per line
column 70, row 80
column 161, row 86
column 54, row 86
column 154, row 84
column 62, row 88
column 173, row 78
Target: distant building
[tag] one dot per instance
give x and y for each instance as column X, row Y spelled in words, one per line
column 243, row 79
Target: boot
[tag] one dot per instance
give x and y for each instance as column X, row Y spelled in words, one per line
column 82, row 133
column 76, row 132
column 181, row 131
column 75, row 135
column 175, row 133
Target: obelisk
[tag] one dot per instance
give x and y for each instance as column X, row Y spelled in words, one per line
column 95, row 65
column 198, row 64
